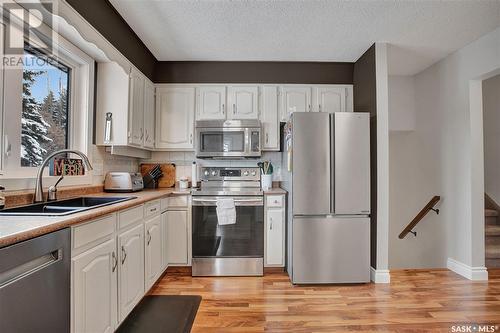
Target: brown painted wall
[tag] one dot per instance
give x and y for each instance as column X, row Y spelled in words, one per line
column 104, row 17
column 365, row 100
column 253, row 72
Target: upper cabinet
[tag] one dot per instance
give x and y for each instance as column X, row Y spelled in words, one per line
column 295, row 99
column 269, row 118
column 211, row 102
column 333, row 99
column 124, row 107
column 175, row 108
column 243, row 102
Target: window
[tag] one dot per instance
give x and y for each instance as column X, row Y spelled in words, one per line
column 44, row 123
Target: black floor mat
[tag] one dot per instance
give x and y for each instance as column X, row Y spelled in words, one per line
column 162, row 314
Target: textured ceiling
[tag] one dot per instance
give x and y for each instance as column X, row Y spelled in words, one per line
column 420, row 32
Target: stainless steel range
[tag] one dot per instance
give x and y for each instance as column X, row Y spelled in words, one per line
column 234, row 249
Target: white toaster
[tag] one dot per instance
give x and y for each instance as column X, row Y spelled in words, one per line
column 123, row 182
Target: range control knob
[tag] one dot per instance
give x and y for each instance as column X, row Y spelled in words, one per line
column 245, row 173
column 253, row 173
column 206, row 173
column 214, row 173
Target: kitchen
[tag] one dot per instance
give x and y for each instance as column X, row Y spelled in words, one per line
column 152, row 191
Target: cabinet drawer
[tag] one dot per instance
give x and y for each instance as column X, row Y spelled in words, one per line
column 152, row 208
column 274, row 201
column 89, row 232
column 130, row 216
column 180, row 201
column 164, row 204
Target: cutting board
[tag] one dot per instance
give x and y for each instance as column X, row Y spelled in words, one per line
column 168, row 170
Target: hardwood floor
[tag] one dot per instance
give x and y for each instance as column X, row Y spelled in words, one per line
column 415, row 301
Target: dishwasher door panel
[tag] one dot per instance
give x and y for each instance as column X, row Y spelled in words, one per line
column 35, row 284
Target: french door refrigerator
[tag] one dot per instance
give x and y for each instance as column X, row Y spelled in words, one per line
column 327, row 173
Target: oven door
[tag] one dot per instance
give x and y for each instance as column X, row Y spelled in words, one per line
column 227, row 142
column 244, row 239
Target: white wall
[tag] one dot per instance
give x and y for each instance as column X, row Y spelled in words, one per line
column 401, row 103
column 491, row 131
column 438, row 156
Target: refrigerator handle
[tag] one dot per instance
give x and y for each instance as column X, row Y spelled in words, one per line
column 332, row 163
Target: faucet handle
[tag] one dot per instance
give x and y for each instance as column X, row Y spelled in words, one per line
column 52, row 192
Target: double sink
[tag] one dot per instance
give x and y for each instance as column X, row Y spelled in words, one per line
column 63, row 207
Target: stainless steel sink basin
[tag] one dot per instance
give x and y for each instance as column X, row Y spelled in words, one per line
column 63, row 207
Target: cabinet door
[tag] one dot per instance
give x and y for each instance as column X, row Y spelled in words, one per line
column 131, row 269
column 175, row 107
column 164, row 240
column 94, row 289
column 275, row 237
column 295, row 99
column 243, row 102
column 136, row 109
column 269, row 118
column 177, row 241
column 152, row 248
column 211, row 102
column 331, row 99
column 149, row 114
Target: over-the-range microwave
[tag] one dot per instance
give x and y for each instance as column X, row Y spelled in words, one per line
column 220, row 139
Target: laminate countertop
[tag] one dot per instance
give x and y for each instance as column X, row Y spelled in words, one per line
column 14, row 229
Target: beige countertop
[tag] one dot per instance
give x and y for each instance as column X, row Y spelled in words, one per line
column 275, row 190
column 14, row 229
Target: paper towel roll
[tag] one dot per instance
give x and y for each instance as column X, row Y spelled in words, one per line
column 194, row 175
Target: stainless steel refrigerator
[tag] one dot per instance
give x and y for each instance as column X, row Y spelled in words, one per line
column 326, row 169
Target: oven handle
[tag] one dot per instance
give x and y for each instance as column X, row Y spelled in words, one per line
column 257, row 202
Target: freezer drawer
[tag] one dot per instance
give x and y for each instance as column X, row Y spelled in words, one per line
column 331, row 250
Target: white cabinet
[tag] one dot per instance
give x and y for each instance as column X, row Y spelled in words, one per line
column 149, row 114
column 164, row 241
column 130, row 269
column 127, row 96
column 275, row 231
column 177, row 237
column 333, row 99
column 153, row 251
column 269, row 118
column 136, row 111
column 94, row 280
column 211, row 102
column 295, row 99
column 243, row 102
column 175, row 108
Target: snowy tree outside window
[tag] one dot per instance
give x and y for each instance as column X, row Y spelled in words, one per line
column 44, row 123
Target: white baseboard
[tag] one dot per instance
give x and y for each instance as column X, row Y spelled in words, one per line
column 380, row 275
column 471, row 273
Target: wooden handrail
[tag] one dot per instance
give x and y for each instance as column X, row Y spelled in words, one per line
column 430, row 206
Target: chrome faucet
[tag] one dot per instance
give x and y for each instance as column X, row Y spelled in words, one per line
column 39, row 188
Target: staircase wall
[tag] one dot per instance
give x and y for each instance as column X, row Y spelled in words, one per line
column 491, row 132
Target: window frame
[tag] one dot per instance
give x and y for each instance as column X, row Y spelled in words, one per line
column 80, row 111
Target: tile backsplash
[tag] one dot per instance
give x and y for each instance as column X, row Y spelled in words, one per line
column 104, row 162
column 183, row 161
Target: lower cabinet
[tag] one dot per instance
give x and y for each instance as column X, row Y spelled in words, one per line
column 131, row 269
column 153, row 251
column 177, row 237
column 275, row 231
column 95, row 289
column 164, row 241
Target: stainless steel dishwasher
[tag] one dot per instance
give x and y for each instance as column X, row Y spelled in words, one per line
column 35, row 284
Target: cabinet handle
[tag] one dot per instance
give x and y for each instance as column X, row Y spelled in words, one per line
column 223, row 108
column 191, row 138
column 124, row 254
column 319, row 106
column 270, row 224
column 142, row 133
column 149, row 237
column 115, row 261
column 234, row 108
column 309, row 107
column 267, row 137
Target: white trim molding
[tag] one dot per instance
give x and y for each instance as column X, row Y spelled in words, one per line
column 380, row 275
column 472, row 273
